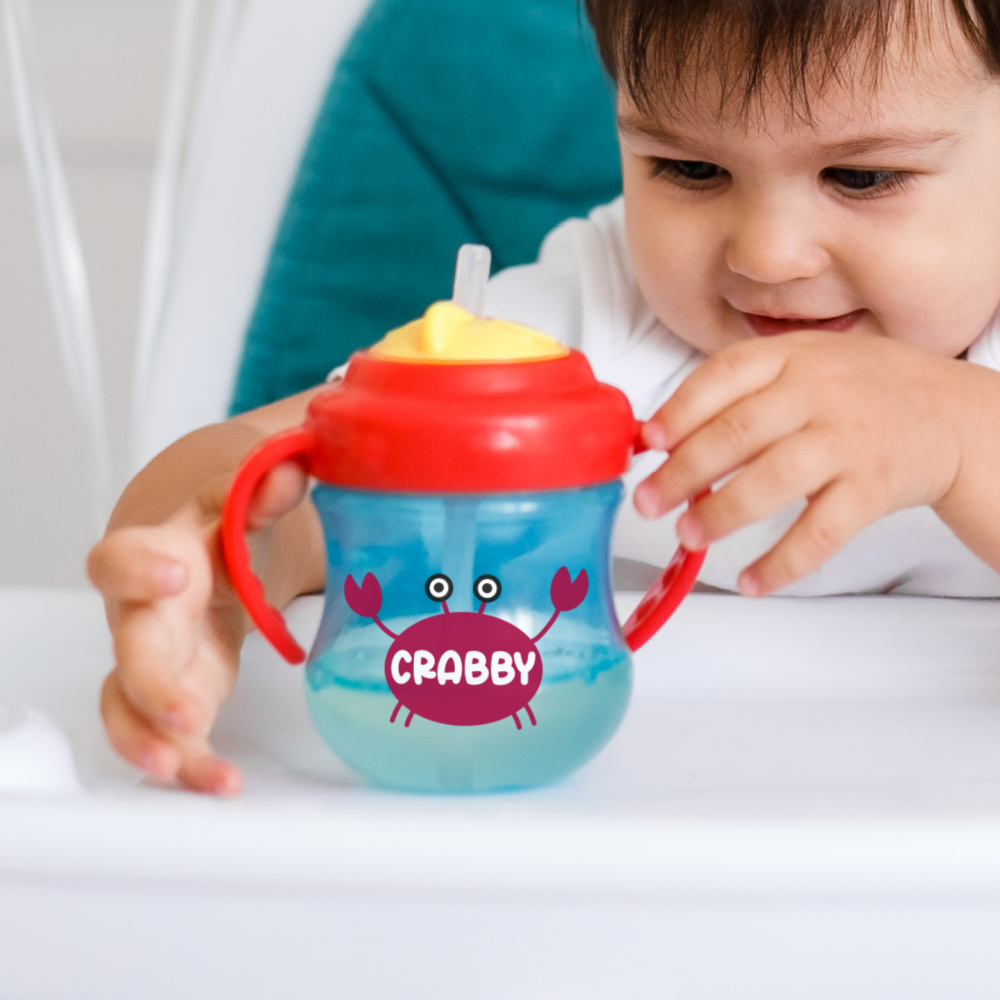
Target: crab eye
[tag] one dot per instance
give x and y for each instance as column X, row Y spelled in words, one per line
column 438, row 587
column 486, row 588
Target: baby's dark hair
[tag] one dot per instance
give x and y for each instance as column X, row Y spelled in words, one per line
column 658, row 49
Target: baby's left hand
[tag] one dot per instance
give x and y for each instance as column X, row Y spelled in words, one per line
column 859, row 426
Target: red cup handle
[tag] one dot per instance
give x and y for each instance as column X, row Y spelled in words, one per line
column 664, row 597
column 291, row 444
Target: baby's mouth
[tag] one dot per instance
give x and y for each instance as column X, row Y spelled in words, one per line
column 770, row 326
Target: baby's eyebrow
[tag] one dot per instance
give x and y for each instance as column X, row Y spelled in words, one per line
column 889, row 140
column 892, row 140
column 648, row 128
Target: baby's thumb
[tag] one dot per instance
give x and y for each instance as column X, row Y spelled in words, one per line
column 281, row 490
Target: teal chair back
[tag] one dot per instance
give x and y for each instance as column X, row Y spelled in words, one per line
column 445, row 122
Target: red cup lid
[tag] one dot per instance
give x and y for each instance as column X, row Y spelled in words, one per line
column 481, row 427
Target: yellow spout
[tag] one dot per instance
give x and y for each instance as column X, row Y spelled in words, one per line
column 447, row 333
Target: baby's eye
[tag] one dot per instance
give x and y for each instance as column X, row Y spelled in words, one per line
column 687, row 173
column 866, row 183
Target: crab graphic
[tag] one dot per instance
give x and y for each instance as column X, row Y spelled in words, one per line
column 464, row 668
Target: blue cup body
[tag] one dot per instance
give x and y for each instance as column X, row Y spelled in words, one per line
column 521, row 539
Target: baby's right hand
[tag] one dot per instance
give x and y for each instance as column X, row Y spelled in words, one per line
column 177, row 627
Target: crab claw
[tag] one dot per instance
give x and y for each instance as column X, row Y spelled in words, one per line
column 566, row 593
column 365, row 600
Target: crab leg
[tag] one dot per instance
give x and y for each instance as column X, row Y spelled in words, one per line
column 388, row 632
column 548, row 625
column 395, row 711
column 531, row 715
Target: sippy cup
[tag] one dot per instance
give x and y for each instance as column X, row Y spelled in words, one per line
column 467, row 477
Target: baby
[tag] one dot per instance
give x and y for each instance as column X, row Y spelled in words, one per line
column 798, row 287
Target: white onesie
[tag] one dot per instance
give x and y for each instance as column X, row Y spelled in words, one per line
column 583, row 291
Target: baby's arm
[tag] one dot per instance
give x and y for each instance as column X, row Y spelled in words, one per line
column 858, row 426
column 177, row 624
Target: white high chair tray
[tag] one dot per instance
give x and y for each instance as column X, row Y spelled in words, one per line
column 803, row 802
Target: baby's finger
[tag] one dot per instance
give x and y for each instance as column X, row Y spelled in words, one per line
column 133, row 736
column 733, row 438
column 828, row 523
column 281, row 490
column 152, row 655
column 796, row 467
column 202, row 771
column 718, row 383
column 191, row 762
column 125, row 566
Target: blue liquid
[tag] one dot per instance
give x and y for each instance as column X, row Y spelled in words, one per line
column 522, row 539
column 584, row 693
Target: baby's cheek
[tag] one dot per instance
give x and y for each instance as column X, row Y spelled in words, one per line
column 939, row 299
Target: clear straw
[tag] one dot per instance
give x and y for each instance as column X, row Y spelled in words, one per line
column 472, row 271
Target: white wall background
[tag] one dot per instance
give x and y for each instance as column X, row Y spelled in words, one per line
column 104, row 65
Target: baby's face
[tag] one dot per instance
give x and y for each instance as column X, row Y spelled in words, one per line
column 880, row 216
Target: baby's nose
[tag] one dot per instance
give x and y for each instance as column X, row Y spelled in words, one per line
column 772, row 240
